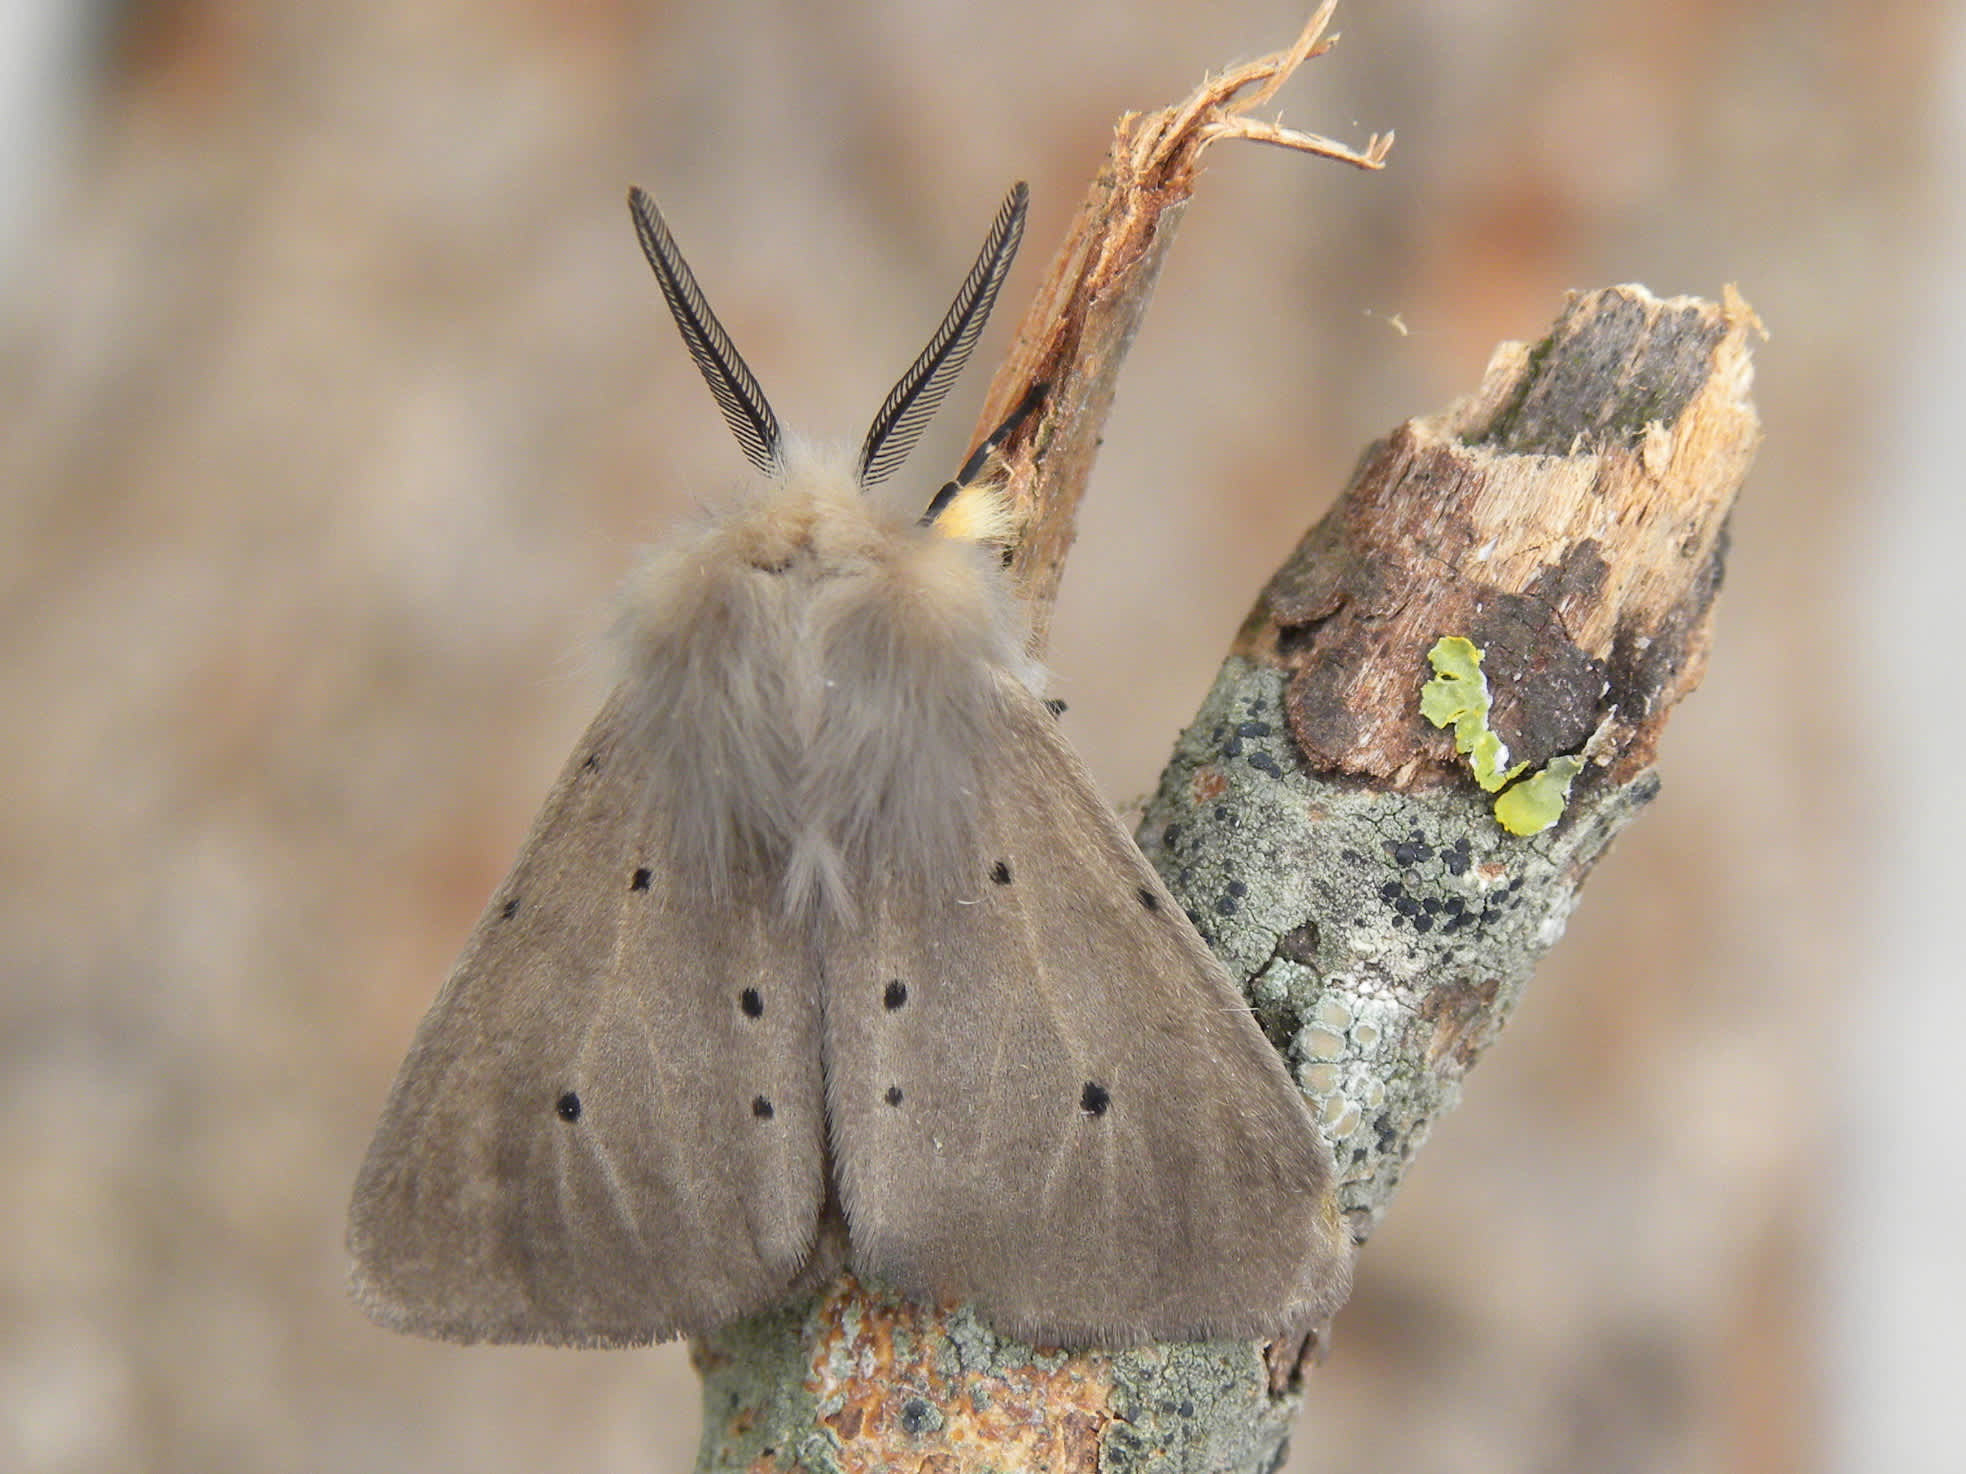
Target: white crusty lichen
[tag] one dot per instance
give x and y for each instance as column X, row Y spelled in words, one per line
column 1382, row 937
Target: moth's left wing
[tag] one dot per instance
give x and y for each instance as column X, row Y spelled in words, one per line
column 1048, row 1099
column 610, row 1127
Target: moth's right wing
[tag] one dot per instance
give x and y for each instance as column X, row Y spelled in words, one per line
column 1049, row 1100
column 610, row 1128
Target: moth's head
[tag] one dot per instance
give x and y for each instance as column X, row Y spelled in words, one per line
column 813, row 519
column 809, row 495
column 808, row 513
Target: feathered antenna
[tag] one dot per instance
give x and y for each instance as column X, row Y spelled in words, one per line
column 743, row 403
column 909, row 404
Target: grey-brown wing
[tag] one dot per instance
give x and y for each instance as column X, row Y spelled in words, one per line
column 610, row 1127
column 1051, row 1101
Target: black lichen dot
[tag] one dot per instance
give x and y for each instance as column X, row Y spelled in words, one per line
column 761, row 1108
column 640, row 880
column 894, row 994
column 1148, row 899
column 1094, row 1099
column 509, row 910
column 568, row 1107
column 752, row 1002
column 1000, row 872
column 893, row 1096
column 918, row 1416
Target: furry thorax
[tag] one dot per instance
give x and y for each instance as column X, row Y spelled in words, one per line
column 812, row 672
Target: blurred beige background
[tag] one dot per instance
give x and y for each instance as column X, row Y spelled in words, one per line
column 335, row 396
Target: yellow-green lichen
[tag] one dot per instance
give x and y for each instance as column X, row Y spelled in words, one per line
column 1537, row 801
column 1458, row 696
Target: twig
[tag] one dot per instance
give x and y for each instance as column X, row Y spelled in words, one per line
column 1078, row 328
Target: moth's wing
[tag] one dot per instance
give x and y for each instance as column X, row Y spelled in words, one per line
column 1049, row 1100
column 610, row 1128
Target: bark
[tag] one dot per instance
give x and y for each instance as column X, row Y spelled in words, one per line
column 1569, row 518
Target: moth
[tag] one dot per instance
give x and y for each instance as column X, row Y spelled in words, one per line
column 825, row 949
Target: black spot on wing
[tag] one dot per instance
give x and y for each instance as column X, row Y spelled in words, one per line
column 761, row 1108
column 894, row 995
column 1000, row 872
column 893, row 1096
column 752, row 1002
column 568, row 1107
column 1149, row 899
column 509, row 910
column 1094, row 1099
column 640, row 880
